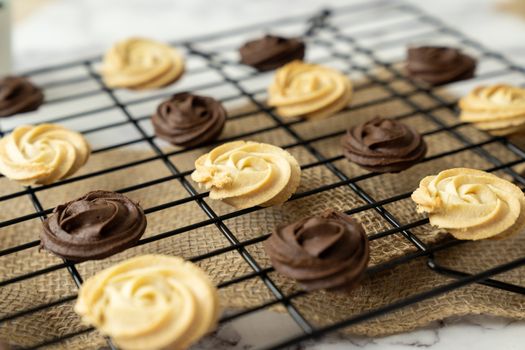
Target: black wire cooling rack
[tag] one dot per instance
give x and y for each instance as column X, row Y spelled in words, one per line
column 376, row 31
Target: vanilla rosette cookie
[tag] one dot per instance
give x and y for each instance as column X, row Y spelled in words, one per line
column 138, row 63
column 42, row 154
column 499, row 109
column 471, row 204
column 150, row 302
column 309, row 90
column 245, row 174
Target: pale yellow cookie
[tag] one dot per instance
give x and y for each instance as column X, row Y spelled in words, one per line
column 42, row 154
column 309, row 90
column 245, row 174
column 150, row 302
column 472, row 204
column 138, row 63
column 512, row 130
column 498, row 109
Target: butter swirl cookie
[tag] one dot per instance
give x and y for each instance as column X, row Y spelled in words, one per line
column 94, row 226
column 498, row 109
column 138, row 63
column 42, row 154
column 327, row 251
column 189, row 120
column 150, row 302
column 271, row 52
column 383, row 145
column 309, row 90
column 471, row 204
column 18, row 95
column 437, row 65
column 245, row 174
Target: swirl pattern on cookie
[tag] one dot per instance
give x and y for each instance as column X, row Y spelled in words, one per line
column 150, row 302
column 138, row 63
column 498, row 109
column 94, row 226
column 438, row 65
column 471, row 204
column 271, row 52
column 383, row 145
column 326, row 251
column 309, row 90
column 189, row 120
column 245, row 174
column 42, row 154
column 18, row 95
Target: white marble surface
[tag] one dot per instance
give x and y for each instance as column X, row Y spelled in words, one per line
column 468, row 332
column 62, row 30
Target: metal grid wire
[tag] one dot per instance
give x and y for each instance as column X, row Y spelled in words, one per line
column 330, row 29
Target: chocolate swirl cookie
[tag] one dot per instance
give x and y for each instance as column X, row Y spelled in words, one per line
column 438, row 65
column 383, row 145
column 327, row 251
column 94, row 226
column 270, row 52
column 189, row 120
column 18, row 95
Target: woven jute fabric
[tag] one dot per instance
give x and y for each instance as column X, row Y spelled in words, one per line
column 320, row 308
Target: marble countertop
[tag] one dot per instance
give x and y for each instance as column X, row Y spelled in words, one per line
column 54, row 31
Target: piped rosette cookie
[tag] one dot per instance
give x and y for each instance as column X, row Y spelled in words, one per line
column 271, row 52
column 383, row 145
column 42, row 154
column 471, row 204
column 326, row 251
column 437, row 65
column 94, row 226
column 244, row 174
column 189, row 120
column 139, row 63
column 498, row 109
column 150, row 302
column 309, row 90
column 18, row 95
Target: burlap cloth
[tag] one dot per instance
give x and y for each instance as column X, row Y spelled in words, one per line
column 320, row 308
